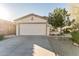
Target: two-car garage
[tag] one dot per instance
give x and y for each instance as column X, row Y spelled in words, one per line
column 32, row 29
column 31, row 25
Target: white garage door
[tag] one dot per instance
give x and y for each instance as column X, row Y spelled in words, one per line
column 33, row 29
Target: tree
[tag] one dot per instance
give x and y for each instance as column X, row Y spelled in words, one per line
column 59, row 18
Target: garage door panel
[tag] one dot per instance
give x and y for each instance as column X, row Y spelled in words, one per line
column 32, row 29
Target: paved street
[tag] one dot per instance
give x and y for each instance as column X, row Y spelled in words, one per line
column 26, row 46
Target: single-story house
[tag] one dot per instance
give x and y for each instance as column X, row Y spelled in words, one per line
column 32, row 24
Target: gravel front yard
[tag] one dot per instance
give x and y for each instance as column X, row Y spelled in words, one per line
column 63, row 46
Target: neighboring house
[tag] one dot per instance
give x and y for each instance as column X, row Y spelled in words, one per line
column 7, row 27
column 32, row 24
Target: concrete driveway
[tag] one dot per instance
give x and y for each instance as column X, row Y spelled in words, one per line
column 26, row 46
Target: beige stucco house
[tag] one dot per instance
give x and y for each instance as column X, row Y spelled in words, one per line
column 32, row 24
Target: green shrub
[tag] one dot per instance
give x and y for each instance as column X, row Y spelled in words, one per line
column 1, row 37
column 75, row 36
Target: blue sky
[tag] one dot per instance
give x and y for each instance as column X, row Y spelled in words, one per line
column 16, row 10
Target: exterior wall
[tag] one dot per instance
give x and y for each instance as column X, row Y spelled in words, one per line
column 17, row 29
column 48, row 29
column 31, row 19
